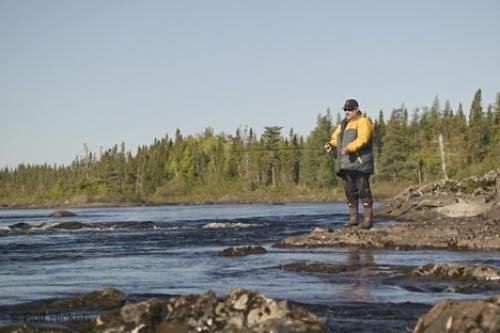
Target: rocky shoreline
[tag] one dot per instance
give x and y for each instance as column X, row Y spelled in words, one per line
column 439, row 234
column 240, row 310
column 452, row 215
column 247, row 311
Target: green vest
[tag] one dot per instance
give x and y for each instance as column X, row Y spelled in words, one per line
column 361, row 160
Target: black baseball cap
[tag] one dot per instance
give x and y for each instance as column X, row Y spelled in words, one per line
column 350, row 104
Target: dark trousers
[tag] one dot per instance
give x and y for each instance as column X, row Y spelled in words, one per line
column 356, row 186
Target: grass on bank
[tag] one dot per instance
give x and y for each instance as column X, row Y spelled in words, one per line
column 210, row 193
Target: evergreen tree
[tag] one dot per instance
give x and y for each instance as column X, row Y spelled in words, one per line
column 378, row 134
column 393, row 161
column 271, row 140
column 317, row 167
column 492, row 159
column 477, row 136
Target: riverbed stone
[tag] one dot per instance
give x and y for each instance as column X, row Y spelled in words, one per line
column 75, row 225
column 31, row 328
column 102, row 299
column 458, row 271
column 142, row 316
column 20, row 226
column 62, row 213
column 99, row 300
column 240, row 311
column 242, row 251
column 462, row 316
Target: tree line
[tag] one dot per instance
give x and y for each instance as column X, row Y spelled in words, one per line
column 405, row 146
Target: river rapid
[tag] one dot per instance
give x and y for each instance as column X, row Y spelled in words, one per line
column 172, row 250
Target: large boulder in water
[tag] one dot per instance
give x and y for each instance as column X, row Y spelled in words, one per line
column 466, row 316
column 137, row 317
column 240, row 311
column 102, row 299
column 62, row 213
column 70, row 226
column 234, row 251
column 20, row 226
column 458, row 271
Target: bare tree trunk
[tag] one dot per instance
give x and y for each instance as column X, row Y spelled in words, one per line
column 441, row 152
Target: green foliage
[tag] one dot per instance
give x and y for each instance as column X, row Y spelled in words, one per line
column 245, row 167
column 317, row 167
column 394, row 162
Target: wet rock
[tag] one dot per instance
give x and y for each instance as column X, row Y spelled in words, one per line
column 102, row 299
column 142, row 316
column 20, row 226
column 242, row 251
column 465, row 316
column 62, row 213
column 70, row 226
column 146, row 225
column 29, row 328
column 193, row 311
column 141, row 225
column 319, row 268
column 457, row 271
column 106, row 298
column 462, row 234
column 240, row 311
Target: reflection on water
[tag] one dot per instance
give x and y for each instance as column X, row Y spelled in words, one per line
column 360, row 257
column 363, row 260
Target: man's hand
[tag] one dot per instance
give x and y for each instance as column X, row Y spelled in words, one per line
column 345, row 151
column 328, row 147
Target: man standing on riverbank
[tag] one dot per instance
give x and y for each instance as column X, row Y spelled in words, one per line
column 352, row 141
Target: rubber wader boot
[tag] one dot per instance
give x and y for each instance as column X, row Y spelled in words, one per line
column 353, row 214
column 367, row 215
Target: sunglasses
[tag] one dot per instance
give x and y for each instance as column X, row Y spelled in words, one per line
column 349, row 110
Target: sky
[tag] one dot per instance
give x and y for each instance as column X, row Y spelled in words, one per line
column 105, row 72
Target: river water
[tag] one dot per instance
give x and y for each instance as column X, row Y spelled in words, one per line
column 172, row 250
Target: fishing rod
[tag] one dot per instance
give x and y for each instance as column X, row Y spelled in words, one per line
column 276, row 149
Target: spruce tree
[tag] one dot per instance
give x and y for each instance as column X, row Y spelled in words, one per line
column 271, row 139
column 393, row 161
column 477, row 135
column 317, row 167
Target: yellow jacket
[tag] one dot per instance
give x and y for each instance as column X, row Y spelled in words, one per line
column 364, row 133
column 357, row 140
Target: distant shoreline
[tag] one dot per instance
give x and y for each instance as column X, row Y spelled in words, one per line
column 180, row 203
column 203, row 196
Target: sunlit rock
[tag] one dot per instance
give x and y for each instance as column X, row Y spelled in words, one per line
column 458, row 271
column 240, row 311
column 462, row 316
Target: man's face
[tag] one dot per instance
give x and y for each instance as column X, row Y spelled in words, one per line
column 350, row 113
